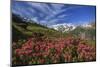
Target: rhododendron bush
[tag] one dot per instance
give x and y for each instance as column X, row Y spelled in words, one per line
column 46, row 51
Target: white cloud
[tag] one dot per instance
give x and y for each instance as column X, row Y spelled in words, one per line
column 57, row 6
column 39, row 7
column 51, row 14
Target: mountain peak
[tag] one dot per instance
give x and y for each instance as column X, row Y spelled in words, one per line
column 64, row 27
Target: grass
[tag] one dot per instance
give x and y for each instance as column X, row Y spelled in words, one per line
column 33, row 28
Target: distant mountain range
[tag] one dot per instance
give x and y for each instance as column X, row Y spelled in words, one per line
column 65, row 27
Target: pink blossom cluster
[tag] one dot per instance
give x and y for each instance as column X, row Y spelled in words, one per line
column 59, row 50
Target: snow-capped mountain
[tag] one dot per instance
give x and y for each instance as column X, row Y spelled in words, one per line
column 87, row 25
column 64, row 27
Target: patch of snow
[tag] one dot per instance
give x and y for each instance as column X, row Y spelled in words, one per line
column 66, row 26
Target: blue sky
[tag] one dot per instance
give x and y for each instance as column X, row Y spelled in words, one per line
column 52, row 14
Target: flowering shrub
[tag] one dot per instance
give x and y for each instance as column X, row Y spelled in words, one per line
column 45, row 51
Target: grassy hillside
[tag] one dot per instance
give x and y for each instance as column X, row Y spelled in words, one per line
column 23, row 30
